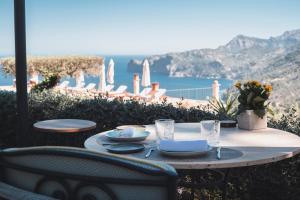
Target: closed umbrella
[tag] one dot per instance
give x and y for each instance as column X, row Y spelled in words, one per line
column 102, row 83
column 35, row 77
column 111, row 72
column 80, row 80
column 146, row 74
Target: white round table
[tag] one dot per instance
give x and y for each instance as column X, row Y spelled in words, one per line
column 240, row 148
column 63, row 132
column 64, row 125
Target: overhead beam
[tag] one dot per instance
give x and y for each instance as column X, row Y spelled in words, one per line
column 21, row 71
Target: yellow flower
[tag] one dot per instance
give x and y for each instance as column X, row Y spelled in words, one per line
column 255, row 83
column 238, row 85
column 268, row 88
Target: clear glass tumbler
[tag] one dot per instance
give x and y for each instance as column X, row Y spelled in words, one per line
column 210, row 131
column 164, row 129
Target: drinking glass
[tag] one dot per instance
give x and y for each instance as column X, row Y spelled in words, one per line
column 164, row 129
column 210, row 130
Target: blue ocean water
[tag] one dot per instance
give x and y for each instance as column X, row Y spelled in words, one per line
column 122, row 77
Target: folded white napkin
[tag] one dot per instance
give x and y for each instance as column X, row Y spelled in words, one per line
column 195, row 145
column 127, row 132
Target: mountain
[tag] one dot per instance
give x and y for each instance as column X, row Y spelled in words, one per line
column 275, row 60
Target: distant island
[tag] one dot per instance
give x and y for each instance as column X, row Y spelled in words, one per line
column 275, row 60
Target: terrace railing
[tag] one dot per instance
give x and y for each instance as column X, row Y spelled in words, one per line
column 196, row 93
column 191, row 93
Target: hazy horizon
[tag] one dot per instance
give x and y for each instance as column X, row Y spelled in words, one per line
column 136, row 27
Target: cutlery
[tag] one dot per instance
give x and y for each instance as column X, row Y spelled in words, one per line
column 104, row 144
column 152, row 144
column 219, row 153
column 149, row 153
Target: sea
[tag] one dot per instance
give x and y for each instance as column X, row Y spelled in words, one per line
column 178, row 86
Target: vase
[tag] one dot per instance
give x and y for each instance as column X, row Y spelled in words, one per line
column 250, row 121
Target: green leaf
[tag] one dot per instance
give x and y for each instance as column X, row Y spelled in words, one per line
column 258, row 99
column 270, row 111
column 250, row 97
column 260, row 113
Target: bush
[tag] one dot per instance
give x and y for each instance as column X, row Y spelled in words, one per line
column 107, row 114
column 290, row 121
column 48, row 83
column 8, row 117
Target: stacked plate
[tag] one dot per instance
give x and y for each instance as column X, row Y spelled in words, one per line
column 135, row 136
column 127, row 138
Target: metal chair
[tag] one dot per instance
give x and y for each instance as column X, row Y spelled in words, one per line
column 78, row 174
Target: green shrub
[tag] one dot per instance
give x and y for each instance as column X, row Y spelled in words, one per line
column 290, row 121
column 48, row 83
column 8, row 117
column 108, row 114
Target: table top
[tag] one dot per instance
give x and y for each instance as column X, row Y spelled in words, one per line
column 239, row 147
column 64, row 125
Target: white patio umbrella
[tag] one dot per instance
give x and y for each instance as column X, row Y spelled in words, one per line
column 146, row 74
column 111, row 72
column 80, row 80
column 102, row 83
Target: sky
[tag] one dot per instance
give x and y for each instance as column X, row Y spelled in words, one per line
column 142, row 27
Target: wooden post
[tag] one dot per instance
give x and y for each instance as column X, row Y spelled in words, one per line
column 155, row 86
column 215, row 90
column 21, row 72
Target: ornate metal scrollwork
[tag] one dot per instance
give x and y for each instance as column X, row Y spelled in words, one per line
column 58, row 194
column 64, row 194
column 101, row 187
column 76, row 193
column 89, row 197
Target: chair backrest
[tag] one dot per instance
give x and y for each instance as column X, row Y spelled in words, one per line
column 90, row 86
column 121, row 89
column 74, row 173
column 109, row 88
column 80, row 85
column 64, row 84
column 145, row 92
column 159, row 93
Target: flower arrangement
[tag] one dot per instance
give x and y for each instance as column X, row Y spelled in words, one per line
column 253, row 96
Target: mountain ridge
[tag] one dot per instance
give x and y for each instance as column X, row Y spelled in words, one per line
column 243, row 57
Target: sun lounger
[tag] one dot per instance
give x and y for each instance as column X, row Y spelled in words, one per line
column 63, row 85
column 145, row 92
column 81, row 85
column 90, row 86
column 148, row 95
column 159, row 94
column 79, row 88
column 120, row 91
column 109, row 88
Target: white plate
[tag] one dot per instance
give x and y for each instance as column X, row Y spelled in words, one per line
column 185, row 153
column 138, row 135
column 137, row 127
